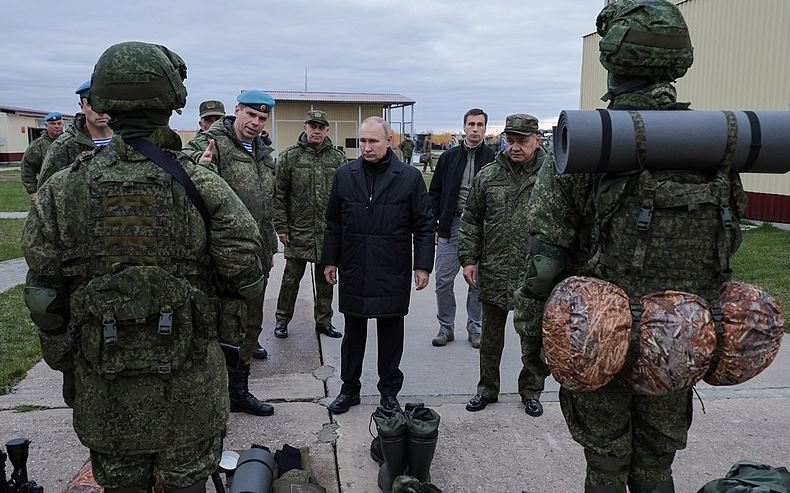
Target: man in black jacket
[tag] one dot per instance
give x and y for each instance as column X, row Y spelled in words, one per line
column 377, row 208
column 450, row 186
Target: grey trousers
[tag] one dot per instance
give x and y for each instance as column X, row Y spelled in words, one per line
column 445, row 270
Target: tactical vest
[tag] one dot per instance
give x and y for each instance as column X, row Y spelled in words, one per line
column 144, row 301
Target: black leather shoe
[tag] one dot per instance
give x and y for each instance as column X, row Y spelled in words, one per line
column 479, row 402
column 533, row 407
column 342, row 403
column 329, row 331
column 281, row 330
column 260, row 352
column 390, row 403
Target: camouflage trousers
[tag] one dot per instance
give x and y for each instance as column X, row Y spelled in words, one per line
column 627, row 438
column 253, row 327
column 492, row 341
column 289, row 289
column 177, row 468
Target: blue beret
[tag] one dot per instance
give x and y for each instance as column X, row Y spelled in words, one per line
column 257, row 100
column 83, row 89
column 51, row 117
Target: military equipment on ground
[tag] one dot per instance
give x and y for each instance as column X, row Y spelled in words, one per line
column 614, row 141
column 19, row 482
column 254, row 471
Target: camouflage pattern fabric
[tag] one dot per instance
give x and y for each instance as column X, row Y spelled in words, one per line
column 32, row 160
column 586, row 331
column 289, row 289
column 406, row 148
column 67, row 148
column 627, row 438
column 676, row 340
column 66, row 246
column 644, row 39
column 177, row 468
column 251, row 176
column 303, row 181
column 752, row 330
column 527, row 319
column 494, row 231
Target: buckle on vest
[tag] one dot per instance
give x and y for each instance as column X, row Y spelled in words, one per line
column 110, row 330
column 163, row 369
column 645, row 218
column 165, row 321
column 726, row 217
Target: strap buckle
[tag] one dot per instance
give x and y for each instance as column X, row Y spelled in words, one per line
column 110, row 330
column 165, row 321
column 726, row 217
column 645, row 218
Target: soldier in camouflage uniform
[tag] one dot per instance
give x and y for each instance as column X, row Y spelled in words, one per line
column 406, row 148
column 303, row 181
column 427, row 153
column 232, row 147
column 491, row 240
column 37, row 151
column 123, row 283
column 210, row 111
column 88, row 131
column 630, row 440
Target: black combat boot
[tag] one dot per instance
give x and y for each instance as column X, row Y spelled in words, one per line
column 241, row 400
column 422, row 424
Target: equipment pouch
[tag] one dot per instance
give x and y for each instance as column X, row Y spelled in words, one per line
column 57, row 350
column 233, row 317
column 136, row 321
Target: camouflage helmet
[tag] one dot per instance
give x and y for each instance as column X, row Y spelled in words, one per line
column 138, row 76
column 644, row 39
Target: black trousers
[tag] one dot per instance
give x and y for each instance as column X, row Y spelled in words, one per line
column 390, row 350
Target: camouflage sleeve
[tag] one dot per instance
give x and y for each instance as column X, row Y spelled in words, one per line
column 269, row 237
column 282, row 190
column 738, row 202
column 31, row 165
column 470, row 235
column 58, row 157
column 197, row 146
column 556, row 205
column 234, row 238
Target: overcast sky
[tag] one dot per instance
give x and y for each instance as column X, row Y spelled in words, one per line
column 505, row 56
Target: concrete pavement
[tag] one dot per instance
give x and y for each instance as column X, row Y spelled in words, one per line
column 498, row 449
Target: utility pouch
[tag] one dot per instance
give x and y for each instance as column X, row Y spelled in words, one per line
column 233, row 317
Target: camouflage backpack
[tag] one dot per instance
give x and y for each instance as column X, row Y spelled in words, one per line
column 644, row 39
column 143, row 304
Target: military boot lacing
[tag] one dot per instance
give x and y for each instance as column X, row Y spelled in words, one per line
column 241, row 400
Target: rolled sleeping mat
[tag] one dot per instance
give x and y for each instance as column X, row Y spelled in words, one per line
column 606, row 141
column 254, row 472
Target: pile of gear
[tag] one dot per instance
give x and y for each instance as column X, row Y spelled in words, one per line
column 404, row 448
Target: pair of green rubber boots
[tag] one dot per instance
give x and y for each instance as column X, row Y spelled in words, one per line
column 405, row 444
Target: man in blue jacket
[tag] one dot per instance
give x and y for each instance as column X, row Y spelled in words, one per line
column 377, row 209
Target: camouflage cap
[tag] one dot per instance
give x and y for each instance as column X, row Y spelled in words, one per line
column 212, row 108
column 316, row 116
column 521, row 123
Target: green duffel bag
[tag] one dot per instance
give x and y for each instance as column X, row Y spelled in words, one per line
column 750, row 477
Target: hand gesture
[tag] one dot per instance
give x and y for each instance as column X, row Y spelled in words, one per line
column 208, row 154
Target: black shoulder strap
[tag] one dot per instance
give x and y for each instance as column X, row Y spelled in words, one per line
column 167, row 163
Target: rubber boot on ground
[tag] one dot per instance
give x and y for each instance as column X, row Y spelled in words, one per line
column 391, row 427
column 422, row 424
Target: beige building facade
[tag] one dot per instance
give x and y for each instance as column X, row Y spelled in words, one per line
column 741, row 49
column 18, row 128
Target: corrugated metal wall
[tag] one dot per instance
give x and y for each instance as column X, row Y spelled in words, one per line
column 741, row 53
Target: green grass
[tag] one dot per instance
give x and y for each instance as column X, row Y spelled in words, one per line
column 10, row 238
column 13, row 197
column 19, row 346
column 427, row 178
column 764, row 259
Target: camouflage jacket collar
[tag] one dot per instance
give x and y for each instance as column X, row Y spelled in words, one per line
column 530, row 168
column 224, row 127
column 79, row 130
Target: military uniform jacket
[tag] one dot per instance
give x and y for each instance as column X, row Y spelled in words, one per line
column 251, row 176
column 70, row 241
column 32, row 161
column 494, row 228
column 303, row 181
column 67, row 148
column 406, row 147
